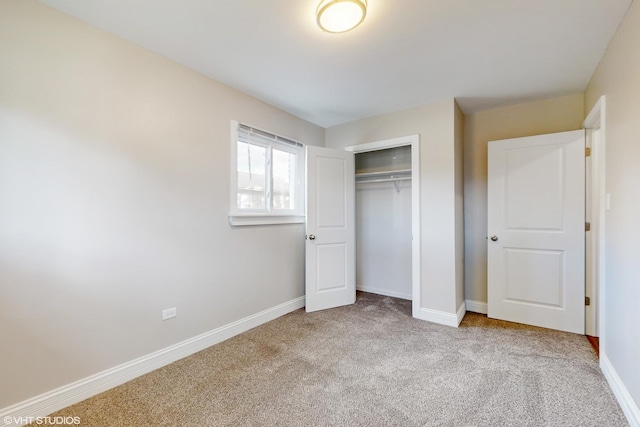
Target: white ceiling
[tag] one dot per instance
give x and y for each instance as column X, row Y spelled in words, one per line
column 485, row 53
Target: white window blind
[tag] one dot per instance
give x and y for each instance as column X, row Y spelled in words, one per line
column 249, row 134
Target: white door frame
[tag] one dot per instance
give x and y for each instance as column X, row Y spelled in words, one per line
column 595, row 130
column 414, row 142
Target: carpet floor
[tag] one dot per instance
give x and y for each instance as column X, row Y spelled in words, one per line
column 370, row 364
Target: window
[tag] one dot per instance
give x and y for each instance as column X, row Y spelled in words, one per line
column 266, row 177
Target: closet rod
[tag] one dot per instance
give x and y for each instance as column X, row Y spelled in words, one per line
column 406, row 178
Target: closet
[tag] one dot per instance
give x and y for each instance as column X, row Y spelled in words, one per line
column 383, row 221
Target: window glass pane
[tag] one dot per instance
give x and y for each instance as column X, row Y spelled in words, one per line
column 284, row 173
column 252, row 182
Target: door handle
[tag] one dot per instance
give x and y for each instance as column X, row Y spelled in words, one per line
column 494, row 238
column 312, row 237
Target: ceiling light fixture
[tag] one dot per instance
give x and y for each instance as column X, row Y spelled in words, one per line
column 339, row 16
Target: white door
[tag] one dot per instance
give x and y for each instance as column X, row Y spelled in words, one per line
column 330, row 245
column 536, row 229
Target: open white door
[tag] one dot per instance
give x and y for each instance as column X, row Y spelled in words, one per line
column 330, row 244
column 536, row 226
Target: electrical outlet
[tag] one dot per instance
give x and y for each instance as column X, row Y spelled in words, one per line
column 169, row 313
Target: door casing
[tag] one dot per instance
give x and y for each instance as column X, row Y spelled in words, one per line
column 596, row 139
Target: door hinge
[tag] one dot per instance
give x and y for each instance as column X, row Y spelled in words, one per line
column 587, row 151
column 587, row 226
column 587, row 301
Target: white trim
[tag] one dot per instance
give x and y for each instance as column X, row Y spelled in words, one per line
column 384, row 292
column 442, row 317
column 384, row 144
column 590, row 279
column 75, row 392
column 596, row 119
column 628, row 405
column 233, row 166
column 241, row 220
column 462, row 310
column 476, row 306
column 414, row 142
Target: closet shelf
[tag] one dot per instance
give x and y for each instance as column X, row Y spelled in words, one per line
column 394, row 179
column 394, row 176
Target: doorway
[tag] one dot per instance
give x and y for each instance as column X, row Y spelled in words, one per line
column 388, row 213
column 595, row 207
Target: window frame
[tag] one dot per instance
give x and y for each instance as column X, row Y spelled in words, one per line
column 268, row 215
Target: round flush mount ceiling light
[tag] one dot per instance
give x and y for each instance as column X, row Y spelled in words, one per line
column 339, row 16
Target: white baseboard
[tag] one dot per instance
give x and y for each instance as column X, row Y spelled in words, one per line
column 476, row 306
column 628, row 405
column 462, row 310
column 75, row 392
column 442, row 317
column 384, row 292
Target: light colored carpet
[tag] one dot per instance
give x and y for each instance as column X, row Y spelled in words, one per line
column 370, row 364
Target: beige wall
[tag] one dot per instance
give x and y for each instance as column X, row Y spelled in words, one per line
column 618, row 78
column 114, row 190
column 435, row 124
column 535, row 118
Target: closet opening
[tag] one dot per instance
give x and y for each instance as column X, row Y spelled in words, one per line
column 387, row 218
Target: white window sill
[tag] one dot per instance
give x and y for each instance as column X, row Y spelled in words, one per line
column 240, row 220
